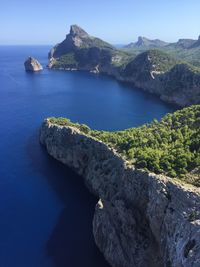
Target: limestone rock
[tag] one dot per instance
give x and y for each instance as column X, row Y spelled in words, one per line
column 32, row 64
column 142, row 219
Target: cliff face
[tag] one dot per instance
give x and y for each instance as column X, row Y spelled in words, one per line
column 141, row 219
column 31, row 64
column 80, row 51
column 156, row 73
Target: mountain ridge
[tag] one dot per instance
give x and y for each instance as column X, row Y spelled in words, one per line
column 152, row 70
column 144, row 42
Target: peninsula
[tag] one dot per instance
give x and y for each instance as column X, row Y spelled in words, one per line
column 142, row 219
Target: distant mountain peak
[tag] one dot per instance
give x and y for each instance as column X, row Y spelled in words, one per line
column 76, row 30
column 141, row 40
column 76, row 39
column 144, row 42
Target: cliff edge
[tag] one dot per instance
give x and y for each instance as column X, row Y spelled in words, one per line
column 141, row 219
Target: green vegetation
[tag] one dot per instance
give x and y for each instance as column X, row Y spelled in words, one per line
column 66, row 122
column 66, row 60
column 191, row 56
column 171, row 146
column 159, row 59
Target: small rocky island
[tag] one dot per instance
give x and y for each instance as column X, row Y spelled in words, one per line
column 142, row 219
column 32, row 64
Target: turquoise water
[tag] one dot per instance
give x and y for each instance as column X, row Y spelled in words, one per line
column 46, row 212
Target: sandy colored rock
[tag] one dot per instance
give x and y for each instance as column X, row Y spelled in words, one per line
column 32, row 64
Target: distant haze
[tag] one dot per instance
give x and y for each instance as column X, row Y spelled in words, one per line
column 118, row 22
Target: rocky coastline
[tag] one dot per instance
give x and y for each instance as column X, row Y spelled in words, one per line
column 141, row 219
column 153, row 70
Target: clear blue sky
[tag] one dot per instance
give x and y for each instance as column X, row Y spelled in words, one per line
column 116, row 21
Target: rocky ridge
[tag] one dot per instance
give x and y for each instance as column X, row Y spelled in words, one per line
column 32, row 64
column 141, row 219
column 144, row 42
column 153, row 70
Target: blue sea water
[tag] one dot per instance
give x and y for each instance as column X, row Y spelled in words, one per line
column 45, row 210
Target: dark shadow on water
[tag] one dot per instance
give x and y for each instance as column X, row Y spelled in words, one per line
column 71, row 243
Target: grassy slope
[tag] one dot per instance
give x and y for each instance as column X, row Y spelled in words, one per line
column 171, row 146
column 191, row 56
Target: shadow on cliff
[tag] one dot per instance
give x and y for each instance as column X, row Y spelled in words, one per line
column 71, row 243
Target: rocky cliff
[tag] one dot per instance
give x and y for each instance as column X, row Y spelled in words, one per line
column 158, row 73
column 32, row 64
column 154, row 71
column 141, row 219
column 80, row 51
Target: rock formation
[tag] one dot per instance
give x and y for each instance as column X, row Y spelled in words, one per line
column 141, row 219
column 160, row 74
column 31, row 64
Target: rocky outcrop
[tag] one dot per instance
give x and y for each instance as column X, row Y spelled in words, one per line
column 141, row 219
column 81, row 51
column 32, row 64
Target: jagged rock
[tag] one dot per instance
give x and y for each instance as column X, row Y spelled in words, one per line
column 32, row 64
column 78, row 39
column 75, row 30
column 142, row 219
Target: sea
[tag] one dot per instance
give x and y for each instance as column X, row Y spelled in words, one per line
column 45, row 210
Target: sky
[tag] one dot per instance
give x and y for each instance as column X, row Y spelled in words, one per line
column 115, row 21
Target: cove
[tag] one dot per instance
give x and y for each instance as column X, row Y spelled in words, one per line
column 46, row 211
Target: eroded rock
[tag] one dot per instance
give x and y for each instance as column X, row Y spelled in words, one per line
column 32, row 64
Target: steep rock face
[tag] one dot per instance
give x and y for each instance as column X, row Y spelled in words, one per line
column 158, row 73
column 32, row 64
column 141, row 219
column 181, row 85
column 81, row 51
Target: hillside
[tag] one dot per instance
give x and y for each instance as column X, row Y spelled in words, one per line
column 170, row 147
column 187, row 50
column 79, row 50
column 159, row 72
